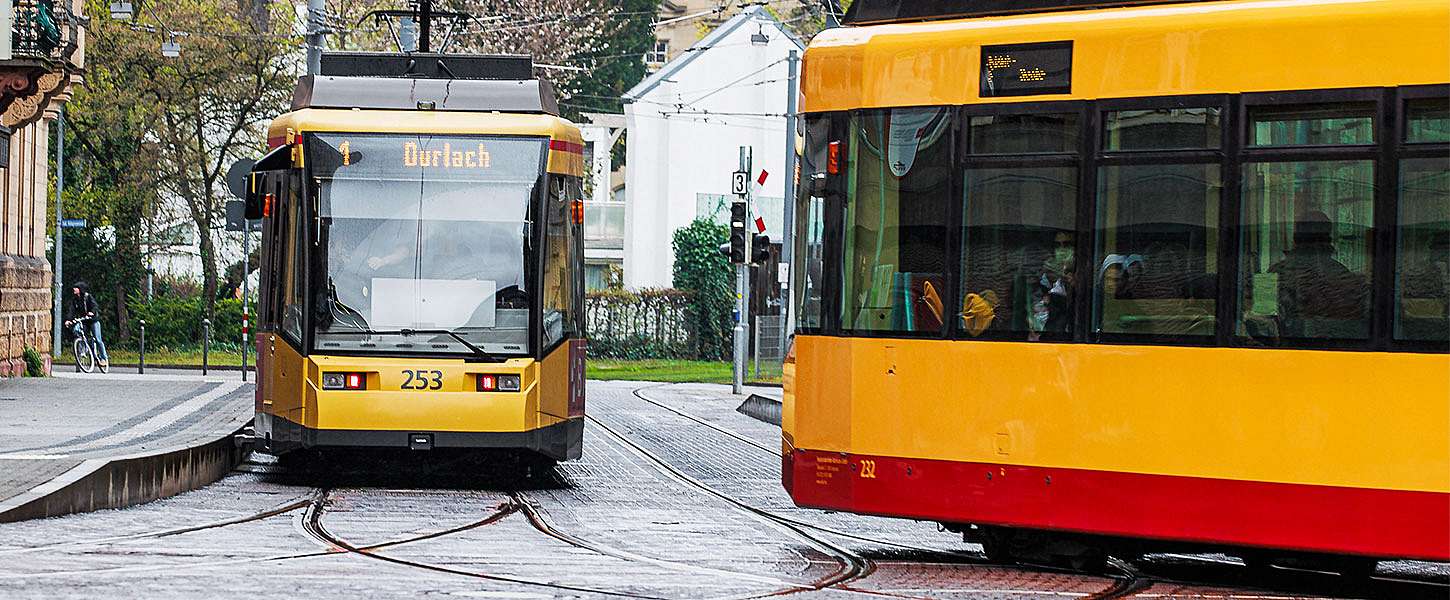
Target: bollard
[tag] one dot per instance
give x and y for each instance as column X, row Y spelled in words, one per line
column 205, row 343
column 141, row 361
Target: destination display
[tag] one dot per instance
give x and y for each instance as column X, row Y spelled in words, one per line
column 409, row 156
column 1026, row 69
column 864, row 12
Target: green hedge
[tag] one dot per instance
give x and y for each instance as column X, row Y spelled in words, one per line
column 176, row 322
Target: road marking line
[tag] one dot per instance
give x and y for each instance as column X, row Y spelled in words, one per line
column 31, row 456
column 160, row 421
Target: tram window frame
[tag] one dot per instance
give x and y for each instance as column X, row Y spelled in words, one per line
column 948, row 280
column 813, row 162
column 1104, row 158
column 1405, row 149
column 1078, row 160
column 1379, row 231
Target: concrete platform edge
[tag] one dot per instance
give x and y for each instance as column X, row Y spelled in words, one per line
column 117, row 482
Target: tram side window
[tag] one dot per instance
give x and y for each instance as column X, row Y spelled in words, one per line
column 1422, row 263
column 1305, row 251
column 1428, row 120
column 897, row 189
column 292, row 267
column 1156, row 265
column 560, row 271
column 1018, row 239
column 1162, row 129
column 1336, row 124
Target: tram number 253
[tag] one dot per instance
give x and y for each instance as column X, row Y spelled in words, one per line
column 422, row 380
column 868, row 469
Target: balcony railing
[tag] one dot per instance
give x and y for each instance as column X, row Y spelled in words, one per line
column 44, row 30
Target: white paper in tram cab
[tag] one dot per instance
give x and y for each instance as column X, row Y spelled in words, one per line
column 432, row 303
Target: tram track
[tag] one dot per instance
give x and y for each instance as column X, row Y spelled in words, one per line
column 312, row 524
column 852, row 566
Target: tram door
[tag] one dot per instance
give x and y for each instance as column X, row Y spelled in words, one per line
column 281, row 292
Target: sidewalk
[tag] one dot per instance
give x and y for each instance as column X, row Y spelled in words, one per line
column 73, row 443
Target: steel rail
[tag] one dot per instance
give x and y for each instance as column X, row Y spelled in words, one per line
column 852, row 566
column 313, row 526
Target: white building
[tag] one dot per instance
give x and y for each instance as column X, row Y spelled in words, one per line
column 685, row 125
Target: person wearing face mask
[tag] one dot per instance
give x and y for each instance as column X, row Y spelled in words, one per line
column 1051, row 297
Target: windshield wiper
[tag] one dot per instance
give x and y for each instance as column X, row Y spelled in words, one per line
column 448, row 332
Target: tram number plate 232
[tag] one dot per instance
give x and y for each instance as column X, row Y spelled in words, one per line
column 419, row 379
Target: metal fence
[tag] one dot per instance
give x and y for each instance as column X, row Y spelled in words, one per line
column 769, row 345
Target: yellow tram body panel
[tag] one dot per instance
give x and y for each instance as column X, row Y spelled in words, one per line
column 1356, row 419
column 295, row 393
column 1199, row 48
column 566, row 150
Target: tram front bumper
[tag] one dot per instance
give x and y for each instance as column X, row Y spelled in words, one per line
column 561, row 441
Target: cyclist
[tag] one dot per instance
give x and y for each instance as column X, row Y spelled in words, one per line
column 83, row 314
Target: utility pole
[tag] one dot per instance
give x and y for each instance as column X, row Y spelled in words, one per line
column 787, row 232
column 425, row 25
column 316, row 35
column 59, row 279
column 741, row 339
column 246, row 292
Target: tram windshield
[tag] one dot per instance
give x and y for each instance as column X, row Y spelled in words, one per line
column 423, row 242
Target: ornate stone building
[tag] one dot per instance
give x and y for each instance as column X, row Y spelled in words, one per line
column 47, row 54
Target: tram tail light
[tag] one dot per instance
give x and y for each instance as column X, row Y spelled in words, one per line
column 576, row 209
column 344, row 381
column 498, row 383
column 833, row 158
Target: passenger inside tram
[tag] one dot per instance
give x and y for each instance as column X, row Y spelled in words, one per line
column 1318, row 296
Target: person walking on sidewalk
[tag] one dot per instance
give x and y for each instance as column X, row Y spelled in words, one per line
column 83, row 314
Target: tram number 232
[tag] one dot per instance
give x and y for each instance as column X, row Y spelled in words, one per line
column 422, row 380
column 868, row 469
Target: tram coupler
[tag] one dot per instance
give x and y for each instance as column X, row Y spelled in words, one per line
column 246, row 439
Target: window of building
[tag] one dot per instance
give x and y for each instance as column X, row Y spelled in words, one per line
column 897, row 190
column 1156, row 267
column 1422, row 262
column 1305, row 251
column 660, row 54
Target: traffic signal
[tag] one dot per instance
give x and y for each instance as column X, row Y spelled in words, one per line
column 739, row 235
column 760, row 249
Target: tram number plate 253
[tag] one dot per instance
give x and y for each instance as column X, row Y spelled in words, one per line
column 419, row 379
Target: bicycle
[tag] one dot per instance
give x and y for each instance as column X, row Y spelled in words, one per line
column 85, row 349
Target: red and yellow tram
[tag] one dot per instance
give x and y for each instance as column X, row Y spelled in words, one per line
column 1173, row 272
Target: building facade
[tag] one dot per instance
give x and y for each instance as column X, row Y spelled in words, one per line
column 686, row 123
column 46, row 55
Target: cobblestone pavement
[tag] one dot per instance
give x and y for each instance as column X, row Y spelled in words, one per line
column 677, row 496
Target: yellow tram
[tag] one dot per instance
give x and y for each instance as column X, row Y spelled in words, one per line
column 422, row 276
column 1172, row 273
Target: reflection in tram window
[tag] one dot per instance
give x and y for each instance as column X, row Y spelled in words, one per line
column 1428, row 120
column 1018, row 247
column 1157, row 260
column 1334, row 124
column 1422, row 263
column 1305, row 251
column 810, row 230
column 561, row 283
column 895, row 247
column 1053, row 133
column 1162, row 129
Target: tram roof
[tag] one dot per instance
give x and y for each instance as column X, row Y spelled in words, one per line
column 865, row 12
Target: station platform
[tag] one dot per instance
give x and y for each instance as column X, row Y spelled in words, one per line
column 79, row 442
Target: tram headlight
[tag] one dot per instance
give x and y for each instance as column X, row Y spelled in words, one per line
column 499, row 383
column 344, row 381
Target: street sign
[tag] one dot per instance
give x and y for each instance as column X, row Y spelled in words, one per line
column 236, row 215
column 740, row 183
column 237, row 178
column 72, row 223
